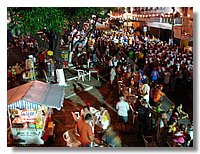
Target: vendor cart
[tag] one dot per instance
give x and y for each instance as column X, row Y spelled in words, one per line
column 29, row 112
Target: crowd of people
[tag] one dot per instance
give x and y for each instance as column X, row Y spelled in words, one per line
column 93, row 128
column 150, row 68
column 140, row 66
column 30, row 66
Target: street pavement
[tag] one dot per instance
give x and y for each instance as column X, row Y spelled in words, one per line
column 101, row 92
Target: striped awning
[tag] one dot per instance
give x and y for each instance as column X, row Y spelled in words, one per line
column 23, row 104
column 35, row 94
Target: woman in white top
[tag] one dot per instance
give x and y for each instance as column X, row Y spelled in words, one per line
column 112, row 75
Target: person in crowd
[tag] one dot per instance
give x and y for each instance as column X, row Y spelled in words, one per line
column 18, row 71
column 172, row 127
column 9, row 77
column 13, row 74
column 180, row 113
column 142, row 118
column 158, row 94
column 190, row 133
column 144, row 91
column 137, row 103
column 119, row 70
column 105, row 120
column 115, row 61
column 181, row 137
column 160, row 72
column 111, row 138
column 162, row 129
column 112, row 75
column 143, row 77
column 94, row 57
column 136, row 77
column 166, row 80
column 173, row 81
column 132, row 83
column 173, row 118
column 134, row 108
column 41, row 64
column 110, row 63
column 179, row 78
column 154, row 75
column 127, row 77
column 189, row 80
column 94, row 112
column 152, row 92
column 30, row 68
column 89, row 61
column 84, row 130
column 122, row 109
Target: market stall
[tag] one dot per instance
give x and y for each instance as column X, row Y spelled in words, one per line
column 29, row 111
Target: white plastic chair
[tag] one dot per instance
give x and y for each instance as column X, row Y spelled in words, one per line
column 68, row 140
column 76, row 115
column 93, row 71
column 82, row 74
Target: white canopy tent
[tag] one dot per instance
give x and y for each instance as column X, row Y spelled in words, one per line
column 35, row 94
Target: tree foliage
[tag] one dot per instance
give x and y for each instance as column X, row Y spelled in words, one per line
column 34, row 19
column 52, row 19
column 84, row 13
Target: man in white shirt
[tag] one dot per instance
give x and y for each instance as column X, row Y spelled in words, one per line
column 122, row 108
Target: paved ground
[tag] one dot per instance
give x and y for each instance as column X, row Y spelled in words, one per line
column 102, row 92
